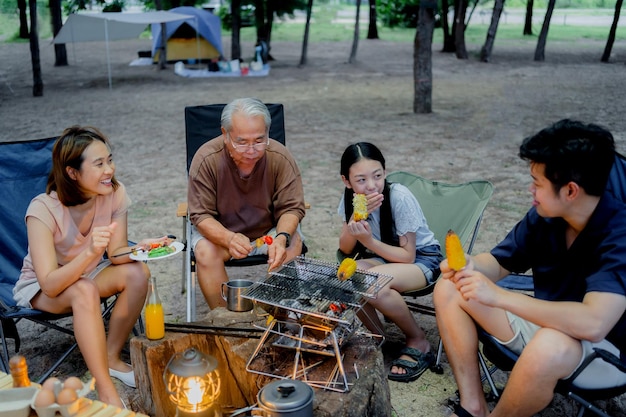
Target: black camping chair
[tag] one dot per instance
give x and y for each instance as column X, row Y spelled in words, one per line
column 203, row 123
column 24, row 168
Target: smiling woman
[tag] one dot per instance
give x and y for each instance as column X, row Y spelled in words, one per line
column 82, row 215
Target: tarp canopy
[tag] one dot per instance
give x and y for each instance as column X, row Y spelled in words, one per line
column 113, row 26
column 105, row 27
column 206, row 25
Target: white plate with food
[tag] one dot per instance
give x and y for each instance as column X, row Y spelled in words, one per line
column 161, row 252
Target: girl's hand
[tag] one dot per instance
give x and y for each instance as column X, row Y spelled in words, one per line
column 374, row 201
column 361, row 230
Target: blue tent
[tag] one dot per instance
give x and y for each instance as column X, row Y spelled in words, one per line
column 193, row 39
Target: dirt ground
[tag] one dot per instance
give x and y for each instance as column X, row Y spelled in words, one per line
column 481, row 112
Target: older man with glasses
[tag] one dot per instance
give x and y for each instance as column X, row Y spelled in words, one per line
column 243, row 185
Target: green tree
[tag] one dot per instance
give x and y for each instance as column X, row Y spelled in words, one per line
column 398, row 13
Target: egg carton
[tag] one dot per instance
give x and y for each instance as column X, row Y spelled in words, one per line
column 66, row 410
column 15, row 402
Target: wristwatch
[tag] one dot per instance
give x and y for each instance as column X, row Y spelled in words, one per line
column 287, row 237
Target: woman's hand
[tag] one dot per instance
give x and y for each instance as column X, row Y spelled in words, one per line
column 100, row 238
column 146, row 244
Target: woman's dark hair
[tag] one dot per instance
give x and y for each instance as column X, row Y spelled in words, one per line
column 353, row 154
column 68, row 152
column 573, row 151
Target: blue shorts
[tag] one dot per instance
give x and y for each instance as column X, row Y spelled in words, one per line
column 427, row 258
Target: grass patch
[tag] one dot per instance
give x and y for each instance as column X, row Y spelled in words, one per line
column 10, row 25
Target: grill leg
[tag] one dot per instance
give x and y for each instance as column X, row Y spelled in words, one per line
column 342, row 371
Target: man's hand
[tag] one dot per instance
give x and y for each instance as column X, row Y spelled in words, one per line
column 277, row 252
column 239, row 246
column 473, row 285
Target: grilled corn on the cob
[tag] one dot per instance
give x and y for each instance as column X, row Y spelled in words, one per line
column 359, row 202
column 454, row 251
column 346, row 269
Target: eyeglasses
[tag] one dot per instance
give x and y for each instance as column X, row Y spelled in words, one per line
column 241, row 148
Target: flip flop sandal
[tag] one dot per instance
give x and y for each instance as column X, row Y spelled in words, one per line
column 414, row 370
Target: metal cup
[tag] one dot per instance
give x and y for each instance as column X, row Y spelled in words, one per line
column 231, row 293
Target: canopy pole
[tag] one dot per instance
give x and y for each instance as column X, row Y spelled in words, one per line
column 106, row 39
column 73, row 42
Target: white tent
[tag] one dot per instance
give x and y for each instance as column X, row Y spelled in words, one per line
column 110, row 27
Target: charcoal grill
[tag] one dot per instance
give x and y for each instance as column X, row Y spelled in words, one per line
column 311, row 312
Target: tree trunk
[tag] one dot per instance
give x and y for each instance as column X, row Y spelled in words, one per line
column 609, row 42
column 372, row 30
column 355, row 39
column 260, row 21
column 34, row 50
column 540, row 52
column 162, row 64
column 448, row 36
column 423, row 59
column 271, row 9
column 528, row 22
column 459, row 30
column 305, row 38
column 56, row 17
column 235, row 46
column 21, row 5
column 485, row 52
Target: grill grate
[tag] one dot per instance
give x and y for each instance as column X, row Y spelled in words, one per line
column 311, row 287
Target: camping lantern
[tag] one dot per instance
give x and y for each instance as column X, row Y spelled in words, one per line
column 192, row 383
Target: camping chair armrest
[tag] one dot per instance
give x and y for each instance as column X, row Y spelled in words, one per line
column 181, row 211
column 605, row 355
column 610, row 358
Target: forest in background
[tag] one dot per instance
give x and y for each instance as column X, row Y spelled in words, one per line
column 325, row 12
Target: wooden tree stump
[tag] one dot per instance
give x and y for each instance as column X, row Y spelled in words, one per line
column 239, row 387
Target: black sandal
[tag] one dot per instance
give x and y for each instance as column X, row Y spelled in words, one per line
column 461, row 412
column 414, row 370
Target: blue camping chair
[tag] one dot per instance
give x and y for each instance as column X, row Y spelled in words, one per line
column 24, row 168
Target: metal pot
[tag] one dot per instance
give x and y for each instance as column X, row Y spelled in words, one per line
column 286, row 398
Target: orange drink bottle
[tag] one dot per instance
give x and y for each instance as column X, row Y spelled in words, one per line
column 153, row 313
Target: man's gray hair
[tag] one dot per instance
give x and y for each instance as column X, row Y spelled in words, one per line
column 248, row 106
